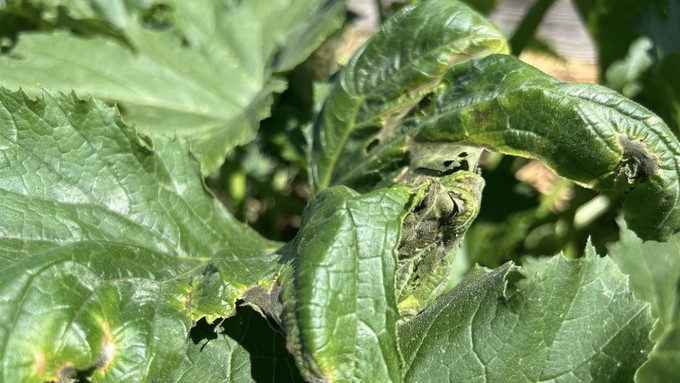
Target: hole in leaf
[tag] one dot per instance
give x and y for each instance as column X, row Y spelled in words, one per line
column 425, row 104
column 203, row 331
column 264, row 341
column 372, row 145
column 158, row 17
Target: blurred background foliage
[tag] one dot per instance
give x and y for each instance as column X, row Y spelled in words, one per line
column 526, row 211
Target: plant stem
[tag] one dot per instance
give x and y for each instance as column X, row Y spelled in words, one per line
column 527, row 28
column 381, row 11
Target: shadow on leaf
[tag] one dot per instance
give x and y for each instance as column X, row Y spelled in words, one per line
column 266, row 345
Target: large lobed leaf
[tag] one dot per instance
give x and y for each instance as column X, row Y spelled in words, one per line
column 207, row 73
column 110, row 245
column 571, row 321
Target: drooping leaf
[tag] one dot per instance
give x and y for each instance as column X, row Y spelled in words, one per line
column 392, row 114
column 340, row 307
column 571, row 321
column 584, row 132
column 207, row 76
column 110, row 244
column 432, row 232
column 358, row 139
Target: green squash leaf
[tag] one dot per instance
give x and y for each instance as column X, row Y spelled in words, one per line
column 571, row 321
column 207, row 75
column 426, row 92
column 358, row 139
column 584, row 132
column 654, row 271
column 654, row 276
column 662, row 365
column 340, row 310
column 243, row 348
column 110, row 244
column 432, row 232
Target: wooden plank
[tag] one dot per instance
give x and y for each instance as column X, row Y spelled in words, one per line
column 561, row 27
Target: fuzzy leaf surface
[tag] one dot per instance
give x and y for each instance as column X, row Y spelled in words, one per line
column 587, row 133
column 340, row 306
column 572, row 321
column 358, row 139
column 206, row 75
column 428, row 91
column 110, row 244
column 654, row 274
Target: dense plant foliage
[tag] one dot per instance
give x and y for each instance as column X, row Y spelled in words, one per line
column 137, row 135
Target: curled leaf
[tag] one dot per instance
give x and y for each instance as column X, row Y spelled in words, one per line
column 359, row 139
column 584, row 132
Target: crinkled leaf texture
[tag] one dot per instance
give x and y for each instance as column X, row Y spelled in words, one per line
column 242, row 348
column 359, row 139
column 584, row 132
column 426, row 92
column 110, row 246
column 654, row 272
column 572, row 321
column 340, row 312
column 207, row 74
